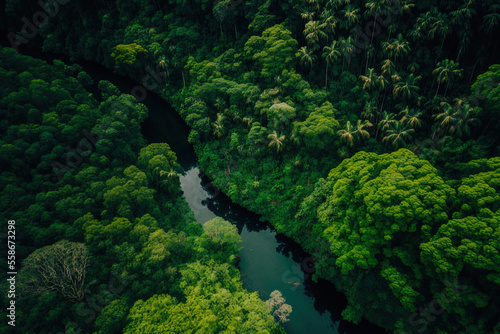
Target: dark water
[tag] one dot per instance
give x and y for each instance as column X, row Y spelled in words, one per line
column 268, row 261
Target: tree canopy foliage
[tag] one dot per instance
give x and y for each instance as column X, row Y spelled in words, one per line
column 365, row 130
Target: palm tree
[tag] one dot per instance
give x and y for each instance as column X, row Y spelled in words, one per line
column 388, row 67
column 463, row 120
column 329, row 21
column 398, row 134
column 445, row 71
column 386, row 121
column 220, row 104
column 407, row 6
column 314, row 32
column 308, row 16
column 368, row 111
column 351, row 16
column 347, row 48
column 368, row 79
column 407, row 88
column 375, row 6
column 490, row 21
column 307, row 58
column 164, row 65
column 411, row 117
column 440, row 27
column 218, row 126
column 446, row 116
column 360, row 131
column 382, row 82
column 331, row 53
column 276, row 141
column 396, row 47
column 347, row 134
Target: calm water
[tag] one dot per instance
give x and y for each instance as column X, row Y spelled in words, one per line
column 268, row 261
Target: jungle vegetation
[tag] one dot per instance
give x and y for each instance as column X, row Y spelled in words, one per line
column 367, row 131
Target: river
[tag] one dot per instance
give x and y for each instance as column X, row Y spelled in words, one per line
column 268, row 261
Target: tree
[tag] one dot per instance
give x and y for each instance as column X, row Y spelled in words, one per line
column 313, row 33
column 463, row 119
column 446, row 70
column 386, row 121
column 407, row 88
column 351, row 16
column 398, row 134
column 331, row 54
column 277, row 306
column 223, row 233
column 218, row 126
column 368, row 79
column 60, row 267
column 276, row 141
column 273, row 52
column 318, row 130
column 375, row 7
column 396, row 47
column 411, row 117
column 127, row 53
column 440, row 27
column 347, row 134
column 360, row 131
column 307, row 57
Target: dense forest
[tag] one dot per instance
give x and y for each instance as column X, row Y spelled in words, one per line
column 102, row 230
column 367, row 131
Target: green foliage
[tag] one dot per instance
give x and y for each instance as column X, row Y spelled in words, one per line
column 104, row 226
column 127, row 53
column 345, row 93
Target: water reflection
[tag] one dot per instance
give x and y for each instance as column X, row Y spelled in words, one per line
column 270, row 261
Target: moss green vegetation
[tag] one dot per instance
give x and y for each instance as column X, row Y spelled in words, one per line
column 367, row 131
column 103, row 232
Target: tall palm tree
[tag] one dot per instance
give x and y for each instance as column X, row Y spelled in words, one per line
column 445, row 117
column 490, row 21
column 351, row 16
column 388, row 67
column 369, row 79
column 347, row 48
column 411, row 117
column 398, row 134
column 331, row 53
column 375, row 6
column 383, row 83
column 164, row 65
column 347, row 134
column 307, row 58
column 441, row 27
column 464, row 118
column 360, row 131
column 369, row 111
column 407, row 88
column 445, row 71
column 314, row 32
column 396, row 47
column 329, row 21
column 276, row 141
column 385, row 122
column 218, row 126
column 308, row 16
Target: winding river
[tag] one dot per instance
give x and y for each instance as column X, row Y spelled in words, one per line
column 268, row 261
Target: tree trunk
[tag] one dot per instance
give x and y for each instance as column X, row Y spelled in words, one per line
column 472, row 74
column 446, row 90
column 373, row 32
column 326, row 75
column 437, row 90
